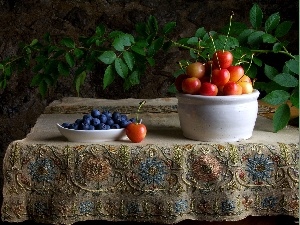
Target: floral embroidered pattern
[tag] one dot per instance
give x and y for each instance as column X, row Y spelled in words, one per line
column 96, row 168
column 206, row 168
column 260, row 168
column 152, row 171
column 163, row 184
column 42, row 170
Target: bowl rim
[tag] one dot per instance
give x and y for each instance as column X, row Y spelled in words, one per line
column 90, row 131
column 254, row 95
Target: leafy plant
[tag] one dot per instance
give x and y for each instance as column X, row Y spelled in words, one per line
column 127, row 56
column 247, row 45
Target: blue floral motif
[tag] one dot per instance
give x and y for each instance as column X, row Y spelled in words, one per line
column 269, row 202
column 133, row 208
column 181, row 206
column 227, row 206
column 42, row 170
column 260, row 168
column 152, row 171
column 86, row 207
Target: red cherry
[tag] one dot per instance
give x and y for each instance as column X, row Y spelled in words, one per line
column 178, row 82
column 222, row 59
column 208, row 89
column 232, row 88
column 191, row 85
column 236, row 72
column 220, row 77
column 195, row 69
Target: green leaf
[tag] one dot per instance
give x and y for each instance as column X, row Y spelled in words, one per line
column 243, row 37
column 272, row 22
column 151, row 61
column 134, row 78
column 277, row 47
column 79, row 81
column 142, row 29
column 1, row 66
column 255, row 38
column 129, row 59
column 7, row 70
column 43, row 88
column 286, row 80
column 270, row 71
column 152, row 24
column 63, row 69
column 155, row 46
column 139, row 50
column 100, row 30
column 268, row 38
column 34, row 42
column 200, row 32
column 276, row 97
column 257, row 61
column 295, row 98
column 78, row 53
column 121, row 68
column 293, row 66
column 36, row 80
column 68, row 42
column 169, row 27
column 107, row 57
column 70, row 59
column 281, row 117
column 109, row 76
column 193, row 41
column 118, row 44
column 256, row 16
column 283, row 28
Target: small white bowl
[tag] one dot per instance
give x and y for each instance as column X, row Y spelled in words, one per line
column 218, row 118
column 92, row 135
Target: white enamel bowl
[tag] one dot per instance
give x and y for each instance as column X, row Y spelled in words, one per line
column 92, row 135
column 218, row 118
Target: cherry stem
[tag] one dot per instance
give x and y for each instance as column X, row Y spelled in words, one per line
column 230, row 20
column 138, row 111
column 250, row 63
column 215, row 49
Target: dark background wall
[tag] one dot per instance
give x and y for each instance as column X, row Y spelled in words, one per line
column 21, row 20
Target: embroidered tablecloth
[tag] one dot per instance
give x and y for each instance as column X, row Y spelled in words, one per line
column 166, row 178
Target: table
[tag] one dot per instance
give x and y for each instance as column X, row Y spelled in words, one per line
column 165, row 179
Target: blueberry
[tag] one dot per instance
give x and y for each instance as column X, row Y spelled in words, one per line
column 107, row 127
column 65, row 125
column 83, row 126
column 115, row 115
column 100, row 126
column 115, row 126
column 124, row 123
column 73, row 126
column 123, row 117
column 95, row 121
column 118, row 119
column 87, row 116
column 91, row 127
column 78, row 121
column 107, row 113
column 103, row 118
column 110, row 122
column 95, row 113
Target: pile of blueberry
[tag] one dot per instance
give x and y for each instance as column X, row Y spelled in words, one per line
column 97, row 120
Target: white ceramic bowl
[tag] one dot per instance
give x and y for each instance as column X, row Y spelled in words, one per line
column 218, row 118
column 92, row 135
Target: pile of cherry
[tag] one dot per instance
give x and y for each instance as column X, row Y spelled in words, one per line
column 215, row 77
